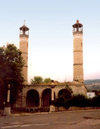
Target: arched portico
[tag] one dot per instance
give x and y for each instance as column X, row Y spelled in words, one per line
column 32, row 98
column 64, row 93
column 46, row 97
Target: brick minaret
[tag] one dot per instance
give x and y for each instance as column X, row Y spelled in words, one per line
column 23, row 37
column 78, row 52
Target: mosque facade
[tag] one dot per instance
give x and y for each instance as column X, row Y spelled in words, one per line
column 39, row 96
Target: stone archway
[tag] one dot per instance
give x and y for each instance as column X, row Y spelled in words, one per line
column 46, row 97
column 32, row 98
column 64, row 93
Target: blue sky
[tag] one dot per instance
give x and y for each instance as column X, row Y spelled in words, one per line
column 50, row 37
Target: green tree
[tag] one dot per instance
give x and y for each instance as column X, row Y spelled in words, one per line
column 37, row 80
column 11, row 64
column 47, row 80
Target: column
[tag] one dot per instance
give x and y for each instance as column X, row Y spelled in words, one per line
column 40, row 105
column 52, row 107
column 7, row 109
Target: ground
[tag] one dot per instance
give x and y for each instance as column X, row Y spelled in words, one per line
column 83, row 119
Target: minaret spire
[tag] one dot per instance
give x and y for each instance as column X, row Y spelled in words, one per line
column 78, row 52
column 24, row 35
column 24, row 22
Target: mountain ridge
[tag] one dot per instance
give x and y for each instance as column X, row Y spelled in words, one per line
column 92, row 85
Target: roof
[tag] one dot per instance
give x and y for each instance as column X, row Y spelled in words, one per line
column 77, row 24
column 24, row 28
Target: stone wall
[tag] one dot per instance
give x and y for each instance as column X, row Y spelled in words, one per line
column 77, row 88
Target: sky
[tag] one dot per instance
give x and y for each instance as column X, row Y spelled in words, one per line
column 50, row 36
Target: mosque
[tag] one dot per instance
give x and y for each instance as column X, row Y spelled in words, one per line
column 39, row 96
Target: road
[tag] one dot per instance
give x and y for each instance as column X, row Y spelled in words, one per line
column 86, row 119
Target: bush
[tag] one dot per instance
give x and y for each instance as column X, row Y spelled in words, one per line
column 79, row 101
column 96, row 101
column 61, row 102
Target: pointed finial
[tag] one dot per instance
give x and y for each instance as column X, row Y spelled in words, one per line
column 24, row 22
column 77, row 21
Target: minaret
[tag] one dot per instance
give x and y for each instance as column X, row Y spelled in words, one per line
column 78, row 52
column 23, row 37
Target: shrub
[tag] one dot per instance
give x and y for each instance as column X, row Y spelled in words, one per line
column 79, row 101
column 96, row 101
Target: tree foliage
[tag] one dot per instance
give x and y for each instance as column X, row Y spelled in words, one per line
column 47, row 80
column 11, row 64
column 37, row 80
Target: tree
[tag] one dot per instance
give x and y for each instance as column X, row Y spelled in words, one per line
column 11, row 64
column 37, row 80
column 47, row 80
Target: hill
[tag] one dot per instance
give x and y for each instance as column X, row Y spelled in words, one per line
column 92, row 84
column 92, row 81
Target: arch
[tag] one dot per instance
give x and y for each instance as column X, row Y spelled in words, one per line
column 64, row 93
column 46, row 97
column 32, row 98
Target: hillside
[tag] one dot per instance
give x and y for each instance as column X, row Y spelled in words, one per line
column 92, row 81
column 92, row 84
